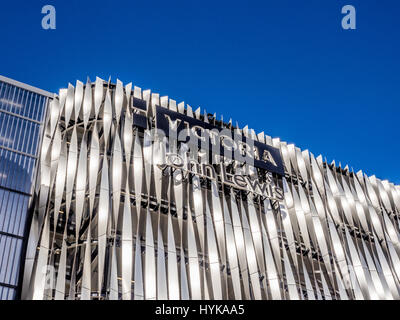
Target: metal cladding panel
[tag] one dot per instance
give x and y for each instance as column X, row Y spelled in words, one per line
column 117, row 217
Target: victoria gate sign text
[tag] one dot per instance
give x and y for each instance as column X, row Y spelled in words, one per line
column 220, row 141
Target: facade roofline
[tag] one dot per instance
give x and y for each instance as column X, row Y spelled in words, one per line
column 27, row 87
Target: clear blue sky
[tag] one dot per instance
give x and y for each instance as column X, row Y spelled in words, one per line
column 283, row 67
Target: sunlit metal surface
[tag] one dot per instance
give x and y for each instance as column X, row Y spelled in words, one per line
column 110, row 224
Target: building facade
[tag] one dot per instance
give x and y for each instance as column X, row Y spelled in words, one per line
column 22, row 112
column 122, row 211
